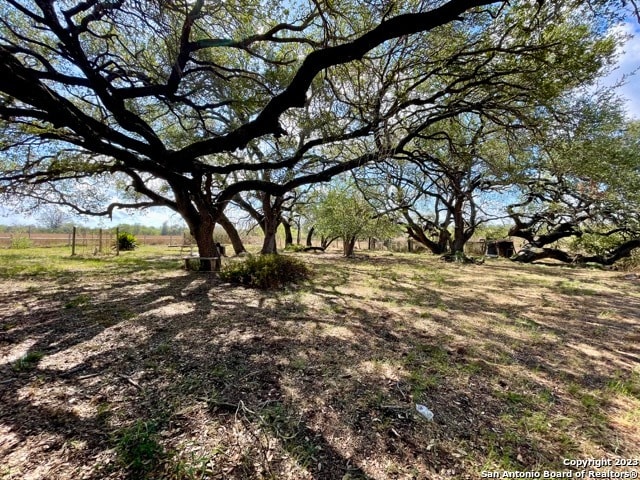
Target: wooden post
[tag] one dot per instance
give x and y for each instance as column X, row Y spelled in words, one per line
column 100, row 241
column 410, row 245
column 73, row 242
column 117, row 242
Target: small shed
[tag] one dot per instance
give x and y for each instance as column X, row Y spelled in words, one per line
column 500, row 248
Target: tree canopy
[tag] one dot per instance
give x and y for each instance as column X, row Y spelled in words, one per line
column 187, row 104
column 343, row 212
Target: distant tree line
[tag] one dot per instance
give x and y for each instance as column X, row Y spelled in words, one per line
column 66, row 227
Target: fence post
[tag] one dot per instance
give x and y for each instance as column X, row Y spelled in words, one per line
column 100, row 241
column 73, row 242
column 117, row 242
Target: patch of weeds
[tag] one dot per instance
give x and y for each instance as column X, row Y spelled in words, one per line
column 500, row 454
column 78, row 301
column 138, row 449
column 295, row 438
column 572, row 287
column 27, row 362
column 103, row 413
column 298, row 363
column 546, row 396
column 628, row 386
column 438, row 278
column 537, row 422
column 187, row 467
column 573, row 389
column 515, row 399
column 221, row 372
column 266, row 271
column 422, row 382
column 162, row 349
column 591, row 403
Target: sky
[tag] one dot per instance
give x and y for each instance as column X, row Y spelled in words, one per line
column 628, row 64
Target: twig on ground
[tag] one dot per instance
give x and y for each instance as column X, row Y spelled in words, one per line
column 132, row 382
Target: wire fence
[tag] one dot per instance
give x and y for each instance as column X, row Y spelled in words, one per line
column 86, row 241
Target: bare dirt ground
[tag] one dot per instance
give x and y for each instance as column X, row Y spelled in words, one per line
column 137, row 369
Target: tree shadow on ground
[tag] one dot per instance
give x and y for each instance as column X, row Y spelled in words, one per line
column 245, row 384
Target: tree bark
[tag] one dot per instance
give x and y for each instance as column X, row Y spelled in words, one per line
column 270, row 230
column 232, row 233
column 535, row 254
column 270, row 222
column 202, row 232
column 288, row 236
column 348, row 246
column 418, row 234
column 310, row 236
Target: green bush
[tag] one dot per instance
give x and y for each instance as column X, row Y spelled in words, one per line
column 294, row 247
column 265, row 271
column 127, row 241
column 20, row 242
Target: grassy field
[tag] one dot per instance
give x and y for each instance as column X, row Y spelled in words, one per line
column 130, row 367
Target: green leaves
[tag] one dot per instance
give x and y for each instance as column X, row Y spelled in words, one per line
column 343, row 212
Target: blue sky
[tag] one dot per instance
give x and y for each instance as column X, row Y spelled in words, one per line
column 628, row 64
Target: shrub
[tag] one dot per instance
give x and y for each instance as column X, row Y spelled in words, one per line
column 294, row 247
column 20, row 242
column 265, row 271
column 126, row 241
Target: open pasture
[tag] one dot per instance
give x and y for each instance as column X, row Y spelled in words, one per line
column 129, row 367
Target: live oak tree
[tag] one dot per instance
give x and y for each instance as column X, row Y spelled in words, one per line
column 467, row 146
column 580, row 199
column 343, row 212
column 443, row 186
column 159, row 99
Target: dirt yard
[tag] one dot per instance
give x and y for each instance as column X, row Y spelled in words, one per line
column 132, row 368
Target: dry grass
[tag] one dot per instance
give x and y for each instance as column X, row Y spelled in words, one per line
column 132, row 368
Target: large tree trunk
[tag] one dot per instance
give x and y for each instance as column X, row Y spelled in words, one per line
column 459, row 237
column 269, row 244
column 288, row 236
column 270, row 222
column 348, row 246
column 202, row 232
column 270, row 228
column 232, row 233
column 310, row 236
column 418, row 234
